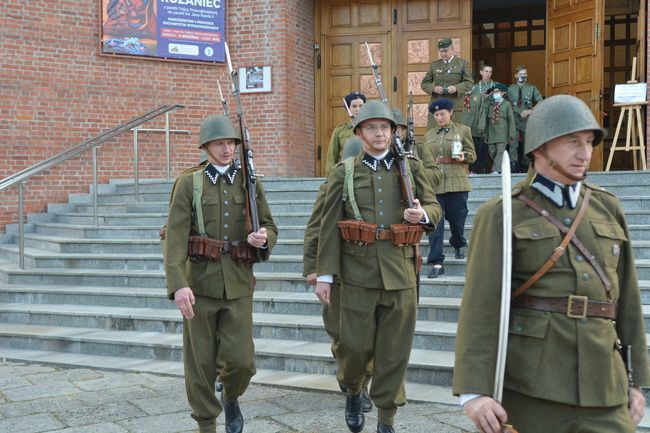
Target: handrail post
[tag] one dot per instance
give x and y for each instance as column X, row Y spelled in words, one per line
column 95, row 203
column 167, row 148
column 136, row 185
column 21, row 226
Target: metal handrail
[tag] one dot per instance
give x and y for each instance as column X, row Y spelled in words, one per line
column 22, row 176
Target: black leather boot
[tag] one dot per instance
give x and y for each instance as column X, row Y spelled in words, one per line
column 234, row 418
column 366, row 401
column 383, row 428
column 354, row 417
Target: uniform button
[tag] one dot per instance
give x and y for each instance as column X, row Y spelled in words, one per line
column 379, row 190
column 225, row 191
column 226, row 214
column 381, row 226
column 579, row 258
column 381, row 213
column 519, row 328
column 567, row 222
column 378, row 177
column 225, row 238
column 381, row 201
column 534, row 234
column 225, row 202
column 585, row 276
column 225, row 226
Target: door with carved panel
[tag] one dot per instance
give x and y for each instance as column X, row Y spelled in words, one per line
column 574, row 55
column 403, row 37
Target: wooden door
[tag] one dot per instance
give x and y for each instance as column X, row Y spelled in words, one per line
column 420, row 25
column 403, row 35
column 574, row 55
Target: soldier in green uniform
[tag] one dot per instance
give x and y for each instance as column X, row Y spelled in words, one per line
column 474, row 101
column 211, row 278
column 375, row 263
column 497, row 124
column 419, row 149
column 344, row 131
column 448, row 77
column 523, row 96
column 451, row 145
column 331, row 311
column 564, row 373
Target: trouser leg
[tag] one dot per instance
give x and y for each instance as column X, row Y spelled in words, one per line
column 456, row 215
column 436, row 237
column 499, row 148
column 332, row 316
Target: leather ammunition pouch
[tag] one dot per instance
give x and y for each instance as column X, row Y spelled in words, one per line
column 365, row 233
column 203, row 248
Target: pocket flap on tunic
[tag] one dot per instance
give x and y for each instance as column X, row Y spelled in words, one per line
column 610, row 230
column 529, row 324
column 537, row 230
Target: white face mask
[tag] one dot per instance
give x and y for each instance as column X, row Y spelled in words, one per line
column 497, row 97
column 522, row 78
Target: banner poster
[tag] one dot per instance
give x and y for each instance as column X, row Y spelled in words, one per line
column 169, row 29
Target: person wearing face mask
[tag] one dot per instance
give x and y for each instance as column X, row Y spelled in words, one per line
column 497, row 125
column 524, row 96
column 354, row 101
column 474, row 102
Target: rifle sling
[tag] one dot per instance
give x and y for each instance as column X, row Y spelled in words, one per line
column 569, row 236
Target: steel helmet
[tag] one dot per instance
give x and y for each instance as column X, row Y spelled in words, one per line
column 399, row 117
column 374, row 110
column 217, row 127
column 351, row 148
column 557, row 116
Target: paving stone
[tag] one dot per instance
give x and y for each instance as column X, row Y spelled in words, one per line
column 65, row 375
column 119, row 394
column 323, row 421
column 13, row 382
column 30, row 424
column 162, row 404
column 42, row 405
column 262, row 409
column 39, row 391
column 99, row 413
column 167, row 423
column 107, row 427
column 112, row 380
column 265, row 426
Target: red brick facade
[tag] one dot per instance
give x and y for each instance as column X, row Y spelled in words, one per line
column 56, row 91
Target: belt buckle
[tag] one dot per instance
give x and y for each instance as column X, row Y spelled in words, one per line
column 378, row 232
column 571, row 302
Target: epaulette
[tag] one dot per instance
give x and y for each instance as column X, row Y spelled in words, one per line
column 597, row 188
column 199, row 166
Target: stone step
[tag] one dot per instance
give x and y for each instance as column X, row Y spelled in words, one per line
column 426, row 366
column 68, row 245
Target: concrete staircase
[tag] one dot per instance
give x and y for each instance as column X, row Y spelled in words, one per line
column 94, row 295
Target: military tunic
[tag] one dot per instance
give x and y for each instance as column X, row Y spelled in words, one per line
column 454, row 73
column 378, row 299
column 550, row 356
column 452, row 192
column 340, row 135
column 501, row 133
column 474, row 111
column 523, row 97
column 222, row 325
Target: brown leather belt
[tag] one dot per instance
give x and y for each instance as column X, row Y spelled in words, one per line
column 383, row 235
column 446, row 160
column 575, row 307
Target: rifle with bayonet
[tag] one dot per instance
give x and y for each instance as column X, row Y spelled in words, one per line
column 224, row 104
column 248, row 168
column 410, row 132
column 347, row 108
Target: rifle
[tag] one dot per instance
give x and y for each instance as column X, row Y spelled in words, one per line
column 345, row 104
column 224, row 104
column 248, row 169
column 407, row 187
column 410, row 133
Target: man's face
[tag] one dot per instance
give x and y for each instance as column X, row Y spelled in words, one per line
column 571, row 152
column 523, row 74
column 376, row 135
column 446, row 53
column 443, row 117
column 355, row 106
column 486, row 73
column 221, row 151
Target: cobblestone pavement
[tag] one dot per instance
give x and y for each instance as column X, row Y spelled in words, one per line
column 43, row 398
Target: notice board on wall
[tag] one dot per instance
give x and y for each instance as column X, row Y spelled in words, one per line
column 165, row 29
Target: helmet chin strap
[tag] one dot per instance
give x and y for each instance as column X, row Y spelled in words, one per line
column 554, row 165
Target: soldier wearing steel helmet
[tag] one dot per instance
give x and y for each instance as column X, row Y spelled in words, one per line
column 213, row 287
column 363, row 218
column 563, row 370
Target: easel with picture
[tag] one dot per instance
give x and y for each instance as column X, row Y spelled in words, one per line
column 630, row 111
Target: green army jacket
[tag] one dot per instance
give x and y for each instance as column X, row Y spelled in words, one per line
column 424, row 154
column 223, row 210
column 340, row 135
column 476, row 98
column 381, row 265
column 530, row 96
column 454, row 176
column 310, row 242
column 501, row 131
column 457, row 73
column 551, row 356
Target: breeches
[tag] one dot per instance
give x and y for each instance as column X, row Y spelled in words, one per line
column 220, row 329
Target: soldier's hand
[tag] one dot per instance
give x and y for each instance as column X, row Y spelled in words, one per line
column 311, row 279
column 486, row 413
column 323, row 292
column 258, row 238
column 438, row 90
column 637, row 405
column 415, row 214
column 461, row 157
column 451, row 89
column 526, row 113
column 184, row 299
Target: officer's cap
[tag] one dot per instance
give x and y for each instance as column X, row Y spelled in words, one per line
column 354, row 95
column 441, row 104
column 445, row 43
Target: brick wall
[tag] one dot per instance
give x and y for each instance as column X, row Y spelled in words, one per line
column 56, row 90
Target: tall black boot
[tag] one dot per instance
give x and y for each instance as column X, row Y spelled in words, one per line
column 234, row 418
column 354, row 417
